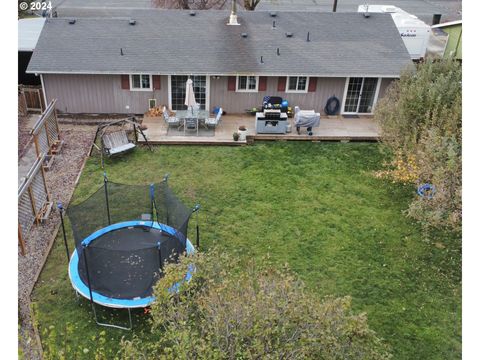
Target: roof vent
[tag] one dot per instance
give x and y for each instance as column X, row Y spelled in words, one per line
column 244, row 35
column 308, row 36
column 72, row 21
column 274, row 25
column 288, row 34
column 273, row 13
column 366, row 13
column 261, row 59
column 132, row 22
column 278, row 51
column 193, row 13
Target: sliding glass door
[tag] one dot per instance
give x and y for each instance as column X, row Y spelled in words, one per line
column 360, row 95
column 177, row 91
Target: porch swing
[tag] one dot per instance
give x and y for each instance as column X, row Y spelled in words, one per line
column 116, row 142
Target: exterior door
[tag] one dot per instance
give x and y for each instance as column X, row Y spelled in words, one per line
column 177, row 91
column 361, row 95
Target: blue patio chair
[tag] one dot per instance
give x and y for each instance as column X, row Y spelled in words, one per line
column 213, row 122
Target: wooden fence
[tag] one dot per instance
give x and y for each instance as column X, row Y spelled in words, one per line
column 46, row 133
column 32, row 97
column 34, row 202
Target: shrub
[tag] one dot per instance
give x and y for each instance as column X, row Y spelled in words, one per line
column 420, row 122
column 231, row 310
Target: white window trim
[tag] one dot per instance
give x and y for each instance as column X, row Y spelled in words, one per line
column 257, row 78
column 169, row 91
column 207, row 95
column 141, row 89
column 375, row 99
column 297, row 91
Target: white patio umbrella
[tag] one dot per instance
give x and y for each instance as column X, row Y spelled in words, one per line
column 190, row 95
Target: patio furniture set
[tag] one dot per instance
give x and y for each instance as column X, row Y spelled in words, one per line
column 190, row 120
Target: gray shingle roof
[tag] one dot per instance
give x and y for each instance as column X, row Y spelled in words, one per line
column 173, row 42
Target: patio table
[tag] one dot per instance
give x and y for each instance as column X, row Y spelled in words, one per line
column 199, row 116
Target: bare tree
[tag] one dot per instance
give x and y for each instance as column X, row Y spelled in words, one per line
column 190, row 4
column 250, row 4
column 201, row 4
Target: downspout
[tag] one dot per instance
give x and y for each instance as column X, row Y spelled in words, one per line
column 44, row 92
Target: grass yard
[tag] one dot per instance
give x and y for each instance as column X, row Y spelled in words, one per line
column 316, row 206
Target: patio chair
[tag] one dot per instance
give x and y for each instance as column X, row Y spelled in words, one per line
column 191, row 124
column 196, row 109
column 171, row 121
column 116, row 143
column 213, row 122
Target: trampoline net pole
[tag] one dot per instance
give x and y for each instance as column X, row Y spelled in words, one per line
column 105, row 184
column 160, row 262
column 89, row 284
column 196, row 209
column 93, row 303
column 198, row 231
column 153, row 204
column 60, row 209
column 87, row 273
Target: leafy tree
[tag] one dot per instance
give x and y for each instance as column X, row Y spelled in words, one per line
column 231, row 310
column 421, row 120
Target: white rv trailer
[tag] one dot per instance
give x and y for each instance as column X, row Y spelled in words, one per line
column 414, row 32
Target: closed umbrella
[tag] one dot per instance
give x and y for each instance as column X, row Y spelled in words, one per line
column 190, row 95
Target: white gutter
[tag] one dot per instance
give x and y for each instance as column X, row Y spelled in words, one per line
column 212, row 74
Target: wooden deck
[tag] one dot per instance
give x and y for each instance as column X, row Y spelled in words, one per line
column 333, row 128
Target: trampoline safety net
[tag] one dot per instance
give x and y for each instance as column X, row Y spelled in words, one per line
column 125, row 262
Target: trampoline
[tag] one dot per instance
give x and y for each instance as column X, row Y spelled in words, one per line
column 124, row 235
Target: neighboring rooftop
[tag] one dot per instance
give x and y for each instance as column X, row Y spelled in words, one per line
column 424, row 9
column 28, row 32
column 174, row 42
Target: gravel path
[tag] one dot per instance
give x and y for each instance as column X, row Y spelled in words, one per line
column 61, row 183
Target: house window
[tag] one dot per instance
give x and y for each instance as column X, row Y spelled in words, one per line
column 247, row 83
column 140, row 82
column 297, row 84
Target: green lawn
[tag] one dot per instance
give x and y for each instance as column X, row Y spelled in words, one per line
column 313, row 205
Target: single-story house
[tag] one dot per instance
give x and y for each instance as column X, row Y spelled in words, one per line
column 125, row 65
